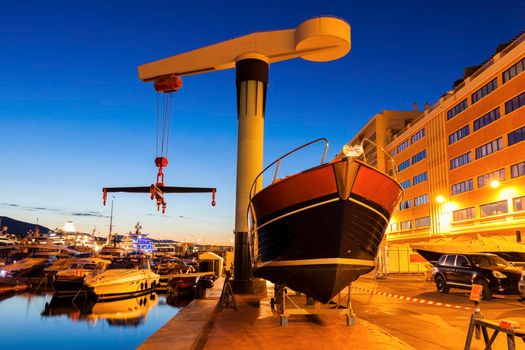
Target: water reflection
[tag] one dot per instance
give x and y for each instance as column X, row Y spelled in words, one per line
column 127, row 312
column 38, row 321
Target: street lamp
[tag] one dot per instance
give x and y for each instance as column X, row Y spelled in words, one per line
column 440, row 199
column 494, row 184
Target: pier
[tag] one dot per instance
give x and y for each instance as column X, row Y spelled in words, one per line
column 254, row 326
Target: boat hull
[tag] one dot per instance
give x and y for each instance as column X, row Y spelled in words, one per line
column 143, row 282
column 328, row 234
column 65, row 288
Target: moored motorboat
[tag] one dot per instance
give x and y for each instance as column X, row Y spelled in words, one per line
column 319, row 230
column 123, row 278
column 69, row 281
column 29, row 267
column 112, row 252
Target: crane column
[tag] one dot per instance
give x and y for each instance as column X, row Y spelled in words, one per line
column 251, row 80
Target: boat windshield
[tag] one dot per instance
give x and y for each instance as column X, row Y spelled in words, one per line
column 128, row 264
column 488, row 261
column 84, row 266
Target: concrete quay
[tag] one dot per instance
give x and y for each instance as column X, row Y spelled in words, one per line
column 255, row 326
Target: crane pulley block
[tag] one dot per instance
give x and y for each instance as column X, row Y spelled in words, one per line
column 168, row 84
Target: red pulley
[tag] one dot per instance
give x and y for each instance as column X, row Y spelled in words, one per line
column 161, row 162
column 168, row 84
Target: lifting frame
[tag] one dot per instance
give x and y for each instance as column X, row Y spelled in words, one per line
column 288, row 305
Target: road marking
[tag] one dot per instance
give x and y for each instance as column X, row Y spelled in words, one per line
column 415, row 300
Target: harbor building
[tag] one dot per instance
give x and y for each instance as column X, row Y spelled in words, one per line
column 461, row 161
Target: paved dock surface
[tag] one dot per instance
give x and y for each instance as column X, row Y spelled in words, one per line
column 256, row 326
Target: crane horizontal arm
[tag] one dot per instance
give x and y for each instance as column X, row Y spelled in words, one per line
column 164, row 189
column 172, row 189
column 320, row 39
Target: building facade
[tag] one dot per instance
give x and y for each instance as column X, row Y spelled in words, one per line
column 461, row 162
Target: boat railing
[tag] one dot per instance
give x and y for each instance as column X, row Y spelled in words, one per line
column 278, row 162
column 393, row 163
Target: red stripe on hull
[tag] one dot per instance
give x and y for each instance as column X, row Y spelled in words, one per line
column 298, row 188
column 377, row 187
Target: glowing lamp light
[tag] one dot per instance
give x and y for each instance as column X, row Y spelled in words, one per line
column 440, row 199
column 494, row 184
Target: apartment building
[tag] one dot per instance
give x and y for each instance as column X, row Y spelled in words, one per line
column 461, row 162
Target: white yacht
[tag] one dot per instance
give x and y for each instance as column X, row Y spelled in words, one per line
column 112, row 252
column 123, row 278
column 68, row 282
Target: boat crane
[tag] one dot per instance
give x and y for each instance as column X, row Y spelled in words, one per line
column 157, row 190
column 319, row 39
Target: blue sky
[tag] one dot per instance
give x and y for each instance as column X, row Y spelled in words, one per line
column 75, row 118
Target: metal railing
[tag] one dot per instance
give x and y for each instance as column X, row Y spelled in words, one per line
column 379, row 148
column 278, row 161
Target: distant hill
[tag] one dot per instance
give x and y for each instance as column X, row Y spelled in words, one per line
column 19, row 228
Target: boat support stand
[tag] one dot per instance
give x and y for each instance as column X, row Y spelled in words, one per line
column 291, row 304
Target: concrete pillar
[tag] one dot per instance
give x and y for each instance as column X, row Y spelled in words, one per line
column 252, row 80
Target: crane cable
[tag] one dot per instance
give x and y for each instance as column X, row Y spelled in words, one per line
column 163, row 124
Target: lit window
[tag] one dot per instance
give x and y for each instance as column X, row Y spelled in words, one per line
column 421, row 200
column 394, row 226
column 464, row 186
column 517, row 170
column 494, row 208
column 460, row 161
column 519, row 203
column 422, row 222
column 486, row 179
column 405, row 204
column 463, row 214
column 405, row 225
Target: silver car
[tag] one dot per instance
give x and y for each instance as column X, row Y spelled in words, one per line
column 521, row 285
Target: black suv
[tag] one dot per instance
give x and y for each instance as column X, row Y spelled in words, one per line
column 463, row 270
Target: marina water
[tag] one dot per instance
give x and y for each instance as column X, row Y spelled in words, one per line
column 37, row 321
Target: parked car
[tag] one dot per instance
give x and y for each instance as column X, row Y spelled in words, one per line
column 489, row 270
column 521, row 285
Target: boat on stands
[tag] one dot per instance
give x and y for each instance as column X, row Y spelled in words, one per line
column 319, row 230
column 124, row 278
column 69, row 281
